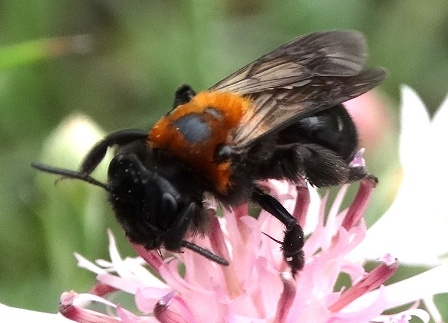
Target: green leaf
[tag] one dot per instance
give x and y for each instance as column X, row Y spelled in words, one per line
column 32, row 51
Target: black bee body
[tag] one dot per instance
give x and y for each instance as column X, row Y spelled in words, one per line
column 279, row 117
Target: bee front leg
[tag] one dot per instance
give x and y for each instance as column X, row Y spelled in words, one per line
column 174, row 236
column 294, row 238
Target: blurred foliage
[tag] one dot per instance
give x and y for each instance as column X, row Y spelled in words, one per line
column 120, row 62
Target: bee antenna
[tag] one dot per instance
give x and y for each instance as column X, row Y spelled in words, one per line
column 67, row 173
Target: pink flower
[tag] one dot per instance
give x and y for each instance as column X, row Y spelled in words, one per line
column 257, row 286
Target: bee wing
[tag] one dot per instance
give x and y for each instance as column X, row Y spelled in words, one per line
column 277, row 108
column 300, row 78
column 331, row 53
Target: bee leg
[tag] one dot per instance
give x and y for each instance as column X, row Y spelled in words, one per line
column 356, row 174
column 97, row 153
column 179, row 229
column 294, row 238
column 205, row 253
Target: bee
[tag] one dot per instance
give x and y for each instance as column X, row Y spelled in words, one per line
column 279, row 117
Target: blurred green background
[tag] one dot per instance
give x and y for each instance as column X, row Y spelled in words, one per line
column 120, row 62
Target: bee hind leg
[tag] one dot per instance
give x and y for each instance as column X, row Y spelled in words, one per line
column 293, row 240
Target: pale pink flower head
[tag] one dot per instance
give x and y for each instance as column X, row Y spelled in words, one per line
column 257, row 286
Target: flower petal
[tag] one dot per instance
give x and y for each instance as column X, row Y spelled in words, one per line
column 71, row 307
column 419, row 209
column 12, row 314
column 415, row 125
column 427, row 284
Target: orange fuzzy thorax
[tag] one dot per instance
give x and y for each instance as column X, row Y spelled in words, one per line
column 228, row 109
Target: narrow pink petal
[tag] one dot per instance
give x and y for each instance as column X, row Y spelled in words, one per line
column 371, row 281
column 237, row 232
column 404, row 317
column 172, row 309
column 150, row 256
column 318, row 238
column 101, row 289
column 218, row 243
column 197, row 276
column 263, row 290
column 302, row 204
column 361, row 314
column 421, row 314
column 336, row 206
column 359, row 204
column 352, row 269
column 358, row 159
column 217, row 240
column 128, row 285
column 123, row 267
column 68, row 308
column 86, row 264
column 352, row 238
column 113, row 250
column 245, row 234
column 388, row 259
column 286, row 299
column 147, row 298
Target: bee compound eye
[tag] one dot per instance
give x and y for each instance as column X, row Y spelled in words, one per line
column 168, row 205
